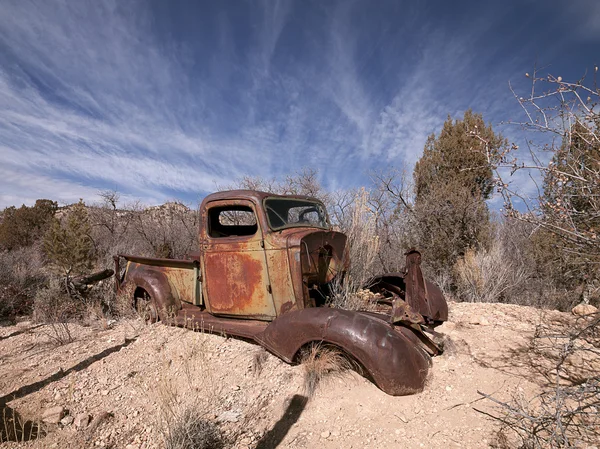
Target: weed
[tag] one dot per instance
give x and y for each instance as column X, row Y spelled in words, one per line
column 14, row 428
column 188, row 428
column 322, row 361
column 53, row 307
column 258, row 361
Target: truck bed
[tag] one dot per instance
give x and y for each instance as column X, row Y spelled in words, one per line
column 183, row 275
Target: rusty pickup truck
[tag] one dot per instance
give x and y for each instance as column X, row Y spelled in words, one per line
column 263, row 272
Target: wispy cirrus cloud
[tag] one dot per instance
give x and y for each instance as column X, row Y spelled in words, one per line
column 167, row 102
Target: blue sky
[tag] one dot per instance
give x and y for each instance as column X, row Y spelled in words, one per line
column 165, row 100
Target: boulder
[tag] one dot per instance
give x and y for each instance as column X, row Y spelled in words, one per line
column 53, row 415
column 82, row 420
column 584, row 309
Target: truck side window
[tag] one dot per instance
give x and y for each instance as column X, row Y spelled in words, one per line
column 231, row 221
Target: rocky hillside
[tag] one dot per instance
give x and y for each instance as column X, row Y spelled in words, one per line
column 127, row 385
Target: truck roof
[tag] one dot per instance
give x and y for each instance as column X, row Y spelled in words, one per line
column 254, row 195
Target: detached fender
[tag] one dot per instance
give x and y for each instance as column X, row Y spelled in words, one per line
column 392, row 356
column 157, row 285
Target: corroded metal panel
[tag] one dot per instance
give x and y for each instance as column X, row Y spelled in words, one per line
column 182, row 281
column 236, row 280
column 180, row 275
column 237, row 283
column 281, row 282
column 393, row 356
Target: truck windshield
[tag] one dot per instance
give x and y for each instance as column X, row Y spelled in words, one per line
column 288, row 212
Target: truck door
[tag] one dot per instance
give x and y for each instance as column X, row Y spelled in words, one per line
column 236, row 279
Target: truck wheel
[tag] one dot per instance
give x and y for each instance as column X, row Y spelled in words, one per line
column 145, row 306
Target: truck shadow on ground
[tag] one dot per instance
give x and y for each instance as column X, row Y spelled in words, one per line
column 275, row 436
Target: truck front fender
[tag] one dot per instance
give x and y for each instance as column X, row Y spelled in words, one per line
column 391, row 355
column 156, row 284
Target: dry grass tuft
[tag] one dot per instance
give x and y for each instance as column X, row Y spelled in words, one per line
column 14, row 428
column 322, row 361
column 258, row 361
column 363, row 247
column 189, row 428
column 189, row 402
column 488, row 275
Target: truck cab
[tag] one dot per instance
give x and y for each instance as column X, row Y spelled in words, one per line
column 263, row 255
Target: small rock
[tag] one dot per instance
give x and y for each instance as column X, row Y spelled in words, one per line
column 229, row 416
column 481, row 320
column 53, row 415
column 82, row 420
column 447, row 326
column 67, row 420
column 325, row 434
column 104, row 392
column 583, row 309
column 23, row 321
column 448, row 388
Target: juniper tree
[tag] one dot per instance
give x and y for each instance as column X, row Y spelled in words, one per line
column 68, row 246
column 24, row 226
column 452, row 181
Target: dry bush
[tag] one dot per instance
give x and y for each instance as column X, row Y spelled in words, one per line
column 487, row 275
column 566, row 413
column 103, row 302
column 123, row 306
column 391, row 200
column 321, row 362
column 362, row 249
column 112, row 229
column 190, row 428
column 168, row 231
column 57, row 309
column 21, row 275
column 564, row 161
column 304, row 181
column 13, row 427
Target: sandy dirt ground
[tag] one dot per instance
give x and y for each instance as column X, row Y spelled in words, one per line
column 129, row 379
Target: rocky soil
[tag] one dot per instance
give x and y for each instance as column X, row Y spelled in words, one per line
column 124, row 385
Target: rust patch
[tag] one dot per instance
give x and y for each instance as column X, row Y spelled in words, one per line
column 236, row 283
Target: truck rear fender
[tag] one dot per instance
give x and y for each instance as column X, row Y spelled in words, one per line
column 157, row 285
column 392, row 357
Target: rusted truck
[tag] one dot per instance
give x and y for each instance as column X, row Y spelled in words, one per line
column 264, row 271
